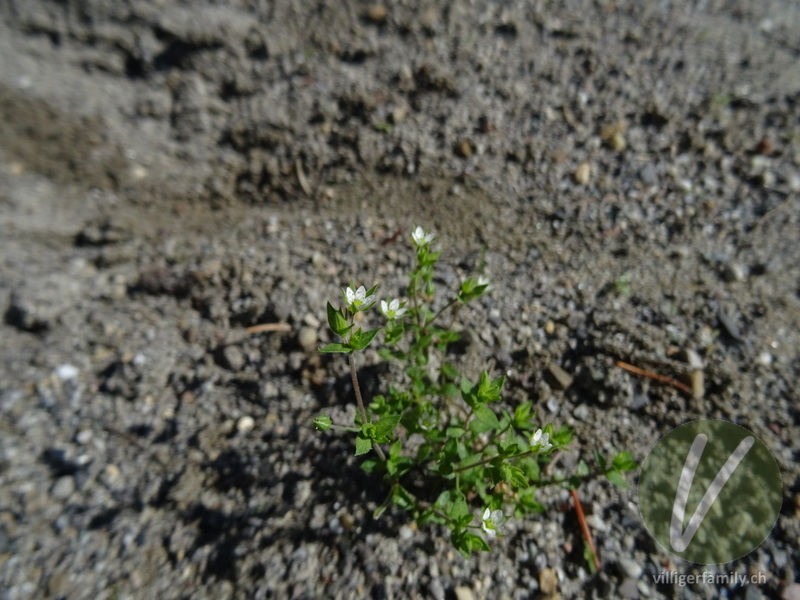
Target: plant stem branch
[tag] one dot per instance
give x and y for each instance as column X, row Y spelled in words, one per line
column 441, row 310
column 587, row 535
column 359, row 400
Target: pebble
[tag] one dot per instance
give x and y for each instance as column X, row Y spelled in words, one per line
column 581, row 412
column 63, row 487
column 648, row 174
column 628, row 589
column 684, row 185
column 617, row 142
column 307, row 337
column 377, row 13
column 463, row 149
column 734, row 272
column 84, row 437
column 245, row 424
column 765, row 358
column 233, row 358
column 583, row 173
column 66, row 372
column 557, row 377
column 548, row 582
column 463, row 593
column 630, row 567
column 791, row 592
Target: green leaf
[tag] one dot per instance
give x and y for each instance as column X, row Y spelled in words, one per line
column 394, row 331
column 617, row 479
column 322, row 423
column 457, row 509
column 337, row 322
column 582, row 470
column 336, row 348
column 372, row 290
column 389, row 354
column 489, row 389
column 531, row 468
column 624, row 462
column 468, row 393
column 402, row 498
column 372, row 465
column 454, row 431
column 363, row 445
column 361, row 339
column 448, row 390
column 514, row 475
column 522, row 415
column 528, row 503
column 485, row 419
column 449, row 371
column 601, row 461
column 385, row 426
column 466, row 543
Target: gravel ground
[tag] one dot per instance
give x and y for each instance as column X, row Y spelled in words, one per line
column 172, row 173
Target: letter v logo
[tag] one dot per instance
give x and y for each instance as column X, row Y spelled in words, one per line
column 679, row 540
column 710, row 491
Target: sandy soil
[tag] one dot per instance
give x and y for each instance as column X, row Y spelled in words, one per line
column 172, row 173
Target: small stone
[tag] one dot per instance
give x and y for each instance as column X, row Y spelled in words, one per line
column 377, row 13
column 66, row 372
column 311, row 320
column 464, row 149
column 63, row 487
column 307, row 337
column 583, row 173
column 233, row 358
column 581, row 412
column 765, row 358
column 548, row 582
column 84, row 437
column 399, row 114
column 628, row 589
column 557, row 377
column 791, row 592
column 464, row 593
column 684, row 185
column 648, row 174
column 112, row 473
column 245, row 424
column 549, row 328
column 617, row 142
column 630, row 567
column 734, row 272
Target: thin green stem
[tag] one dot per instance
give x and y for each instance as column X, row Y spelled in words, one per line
column 486, row 461
column 441, row 310
column 359, row 400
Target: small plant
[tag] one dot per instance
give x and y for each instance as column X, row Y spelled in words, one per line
column 451, row 453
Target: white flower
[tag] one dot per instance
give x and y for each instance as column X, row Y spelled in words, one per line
column 492, row 521
column 483, row 280
column 541, row 441
column 392, row 310
column 421, row 237
column 358, row 300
